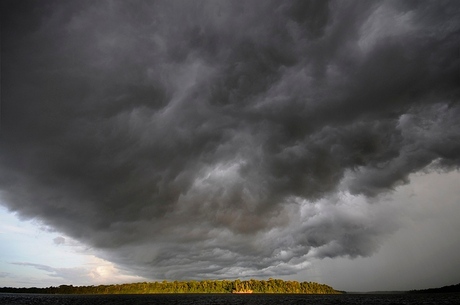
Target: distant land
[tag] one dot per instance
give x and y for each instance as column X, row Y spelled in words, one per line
column 445, row 289
column 204, row 286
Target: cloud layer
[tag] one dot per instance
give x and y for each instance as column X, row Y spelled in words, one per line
column 224, row 138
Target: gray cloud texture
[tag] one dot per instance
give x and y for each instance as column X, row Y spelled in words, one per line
column 59, row 240
column 194, row 139
column 69, row 275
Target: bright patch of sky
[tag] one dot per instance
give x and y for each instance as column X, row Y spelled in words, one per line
column 32, row 255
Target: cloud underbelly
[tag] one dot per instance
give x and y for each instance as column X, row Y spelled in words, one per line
column 221, row 139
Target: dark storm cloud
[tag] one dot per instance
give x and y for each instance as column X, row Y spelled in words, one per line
column 224, row 138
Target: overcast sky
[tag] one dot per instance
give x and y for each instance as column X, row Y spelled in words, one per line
column 307, row 140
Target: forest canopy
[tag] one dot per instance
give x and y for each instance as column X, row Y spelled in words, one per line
column 204, row 286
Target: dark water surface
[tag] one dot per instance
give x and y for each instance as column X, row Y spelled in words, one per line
column 231, row 299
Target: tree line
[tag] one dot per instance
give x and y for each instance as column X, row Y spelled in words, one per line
column 204, row 286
